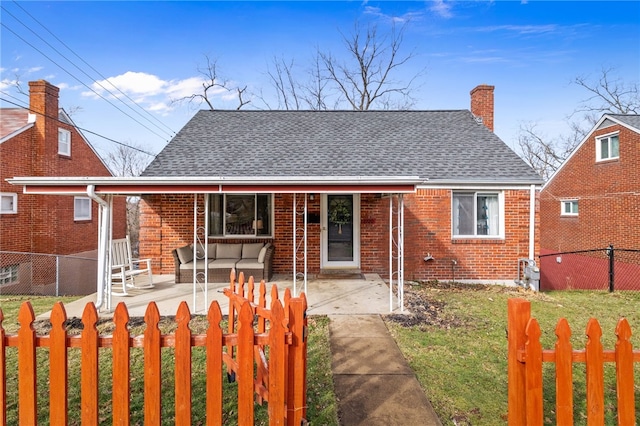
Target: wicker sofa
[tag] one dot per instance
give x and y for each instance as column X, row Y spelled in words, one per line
column 254, row 259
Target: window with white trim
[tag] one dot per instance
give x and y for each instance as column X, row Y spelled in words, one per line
column 245, row 215
column 477, row 214
column 8, row 274
column 81, row 208
column 569, row 208
column 8, row 203
column 607, row 147
column 64, row 142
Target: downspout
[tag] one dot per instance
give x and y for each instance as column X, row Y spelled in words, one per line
column 103, row 243
column 532, row 221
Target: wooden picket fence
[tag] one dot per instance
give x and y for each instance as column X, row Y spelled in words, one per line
column 526, row 356
column 280, row 377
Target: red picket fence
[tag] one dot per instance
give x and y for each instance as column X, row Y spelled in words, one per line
column 526, row 356
column 280, row 377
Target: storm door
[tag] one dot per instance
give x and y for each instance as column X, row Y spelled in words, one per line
column 341, row 231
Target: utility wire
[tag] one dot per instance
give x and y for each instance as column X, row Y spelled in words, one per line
column 172, row 132
column 78, row 80
column 74, row 125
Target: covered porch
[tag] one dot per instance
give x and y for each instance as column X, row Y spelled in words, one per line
column 366, row 295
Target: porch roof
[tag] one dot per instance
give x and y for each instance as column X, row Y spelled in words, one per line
column 215, row 184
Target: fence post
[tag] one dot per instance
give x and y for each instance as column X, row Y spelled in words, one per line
column 519, row 312
column 296, row 388
column 611, row 268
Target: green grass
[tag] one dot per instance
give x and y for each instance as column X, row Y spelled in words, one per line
column 459, row 349
column 322, row 408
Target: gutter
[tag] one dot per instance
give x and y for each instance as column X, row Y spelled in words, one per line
column 104, row 220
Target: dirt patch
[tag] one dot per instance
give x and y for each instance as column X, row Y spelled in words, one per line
column 420, row 299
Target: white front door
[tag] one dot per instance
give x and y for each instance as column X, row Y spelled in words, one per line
column 340, row 222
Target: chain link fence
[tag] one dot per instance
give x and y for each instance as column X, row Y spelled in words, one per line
column 46, row 274
column 606, row 269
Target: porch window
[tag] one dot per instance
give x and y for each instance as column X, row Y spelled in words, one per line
column 232, row 215
column 607, row 147
column 476, row 214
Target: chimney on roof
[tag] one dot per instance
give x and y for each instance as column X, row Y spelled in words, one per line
column 482, row 104
column 43, row 98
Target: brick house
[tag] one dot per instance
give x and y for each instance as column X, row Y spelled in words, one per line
column 592, row 200
column 42, row 141
column 467, row 200
column 405, row 194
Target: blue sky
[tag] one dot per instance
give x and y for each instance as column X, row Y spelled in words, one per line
column 529, row 50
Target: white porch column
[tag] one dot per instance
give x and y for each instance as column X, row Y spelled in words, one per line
column 396, row 241
column 297, row 231
column 200, row 239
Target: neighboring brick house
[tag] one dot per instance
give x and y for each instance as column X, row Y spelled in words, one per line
column 42, row 141
column 593, row 199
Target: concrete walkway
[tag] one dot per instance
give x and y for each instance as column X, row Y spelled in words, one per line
column 373, row 383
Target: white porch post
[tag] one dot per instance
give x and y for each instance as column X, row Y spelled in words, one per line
column 296, row 243
column 200, row 239
column 396, row 235
column 103, row 285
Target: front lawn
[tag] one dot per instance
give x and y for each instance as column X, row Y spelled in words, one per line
column 456, row 343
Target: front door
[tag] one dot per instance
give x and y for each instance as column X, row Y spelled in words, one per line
column 340, row 231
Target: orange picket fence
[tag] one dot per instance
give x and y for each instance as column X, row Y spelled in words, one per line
column 526, row 356
column 268, row 341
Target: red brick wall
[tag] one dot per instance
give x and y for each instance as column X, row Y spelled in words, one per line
column 45, row 224
column 167, row 223
column 607, row 193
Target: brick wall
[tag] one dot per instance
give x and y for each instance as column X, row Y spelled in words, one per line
column 45, row 224
column 607, row 193
column 167, row 223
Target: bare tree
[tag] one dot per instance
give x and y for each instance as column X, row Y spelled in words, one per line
column 128, row 161
column 366, row 77
column 608, row 94
column 213, row 84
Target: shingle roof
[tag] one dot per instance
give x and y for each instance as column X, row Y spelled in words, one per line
column 434, row 145
column 12, row 120
column 632, row 120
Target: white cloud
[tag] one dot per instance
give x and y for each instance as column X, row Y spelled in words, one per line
column 522, row 29
column 442, row 9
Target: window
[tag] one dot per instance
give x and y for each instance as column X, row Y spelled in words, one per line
column 64, row 142
column 81, row 208
column 8, row 274
column 607, row 147
column 240, row 215
column 477, row 214
column 569, row 208
column 8, row 203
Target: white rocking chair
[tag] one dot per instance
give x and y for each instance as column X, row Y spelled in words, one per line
column 127, row 270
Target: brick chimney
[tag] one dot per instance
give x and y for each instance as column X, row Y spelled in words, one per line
column 43, row 102
column 482, row 104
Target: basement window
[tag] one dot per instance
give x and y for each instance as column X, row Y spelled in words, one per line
column 8, row 274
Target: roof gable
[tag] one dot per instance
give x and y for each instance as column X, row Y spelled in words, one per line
column 433, row 145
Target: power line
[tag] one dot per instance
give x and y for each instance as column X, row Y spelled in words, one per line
column 74, row 125
column 96, row 71
column 77, row 79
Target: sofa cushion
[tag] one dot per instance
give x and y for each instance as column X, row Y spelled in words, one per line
column 251, row 250
column 229, row 251
column 185, row 254
column 263, row 253
column 249, row 264
column 223, row 263
column 189, row 266
column 211, row 251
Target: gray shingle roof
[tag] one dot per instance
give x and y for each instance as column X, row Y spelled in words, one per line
column 434, row 145
column 632, row 120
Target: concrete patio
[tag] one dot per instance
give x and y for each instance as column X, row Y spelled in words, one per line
column 325, row 296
